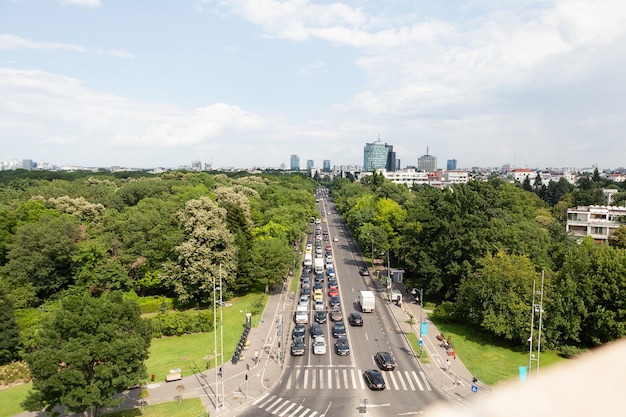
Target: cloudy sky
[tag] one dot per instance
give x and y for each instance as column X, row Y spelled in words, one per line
column 242, row 83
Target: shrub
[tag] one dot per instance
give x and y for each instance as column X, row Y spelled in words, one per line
column 14, row 372
column 570, row 351
column 178, row 323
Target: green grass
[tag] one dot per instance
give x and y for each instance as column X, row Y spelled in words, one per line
column 10, row 398
column 187, row 408
column 188, row 352
column 414, row 342
column 488, row 358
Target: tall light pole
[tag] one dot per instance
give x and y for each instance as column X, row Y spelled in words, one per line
column 372, row 235
column 421, row 342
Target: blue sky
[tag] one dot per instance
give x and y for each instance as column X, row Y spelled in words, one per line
column 242, row 83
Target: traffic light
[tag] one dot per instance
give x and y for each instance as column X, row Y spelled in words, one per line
column 474, row 380
column 246, row 377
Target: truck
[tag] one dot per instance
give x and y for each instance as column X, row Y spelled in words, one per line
column 367, row 302
column 319, row 265
column 308, row 260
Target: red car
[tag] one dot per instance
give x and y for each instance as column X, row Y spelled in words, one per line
column 333, row 291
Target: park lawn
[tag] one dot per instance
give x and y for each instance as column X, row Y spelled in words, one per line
column 188, row 352
column 191, row 407
column 488, row 358
column 10, row 399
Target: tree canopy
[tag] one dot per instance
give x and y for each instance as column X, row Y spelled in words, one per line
column 89, row 349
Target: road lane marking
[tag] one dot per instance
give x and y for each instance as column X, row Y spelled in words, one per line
column 292, row 405
column 419, row 383
column 258, row 400
column 425, row 381
column 408, row 379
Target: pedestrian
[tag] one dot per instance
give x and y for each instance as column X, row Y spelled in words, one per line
column 448, row 365
column 256, row 356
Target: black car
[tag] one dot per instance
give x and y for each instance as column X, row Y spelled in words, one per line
column 374, row 379
column 318, row 285
column 364, row 272
column 341, row 347
column 332, row 282
column 316, row 330
column 305, row 291
column 299, row 330
column 356, row 319
column 385, row 361
column 298, row 346
column 334, row 302
column 320, row 317
column 339, row 329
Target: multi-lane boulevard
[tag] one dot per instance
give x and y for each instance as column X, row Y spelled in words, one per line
column 333, row 385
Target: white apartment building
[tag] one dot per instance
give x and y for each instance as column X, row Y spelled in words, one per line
column 599, row 222
column 411, row 177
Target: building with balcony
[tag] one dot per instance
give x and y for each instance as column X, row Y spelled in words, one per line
column 599, row 222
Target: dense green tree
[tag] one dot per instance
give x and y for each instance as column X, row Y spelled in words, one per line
column 618, row 239
column 497, row 296
column 207, row 253
column 276, row 257
column 9, row 330
column 89, row 349
column 40, row 256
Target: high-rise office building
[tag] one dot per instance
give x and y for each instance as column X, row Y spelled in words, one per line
column 326, row 167
column 451, row 165
column 309, row 164
column 377, row 155
column 427, row 163
column 294, row 163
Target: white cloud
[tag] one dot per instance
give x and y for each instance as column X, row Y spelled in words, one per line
column 83, row 3
column 9, row 42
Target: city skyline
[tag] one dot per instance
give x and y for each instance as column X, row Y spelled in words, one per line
column 233, row 84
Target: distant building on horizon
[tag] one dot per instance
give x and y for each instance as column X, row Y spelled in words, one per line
column 28, row 164
column 377, row 156
column 294, row 163
column 451, row 165
column 326, row 167
column 309, row 164
column 427, row 163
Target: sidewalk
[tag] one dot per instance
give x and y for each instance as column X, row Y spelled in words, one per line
column 457, row 381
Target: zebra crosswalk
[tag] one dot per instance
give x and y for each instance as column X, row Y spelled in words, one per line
column 350, row 378
column 281, row 407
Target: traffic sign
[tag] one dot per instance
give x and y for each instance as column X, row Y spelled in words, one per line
column 421, row 342
column 474, row 388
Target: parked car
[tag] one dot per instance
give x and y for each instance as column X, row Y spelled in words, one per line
column 298, row 346
column 339, row 329
column 374, row 379
column 364, row 272
column 356, row 319
column 341, row 347
column 335, row 239
column 385, row 361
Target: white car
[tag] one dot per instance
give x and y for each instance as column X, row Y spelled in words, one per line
column 319, row 346
column 335, row 239
column 319, row 305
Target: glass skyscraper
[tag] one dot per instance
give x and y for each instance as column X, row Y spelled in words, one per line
column 377, row 156
column 295, row 163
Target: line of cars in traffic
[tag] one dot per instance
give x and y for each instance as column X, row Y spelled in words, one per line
column 384, row 360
